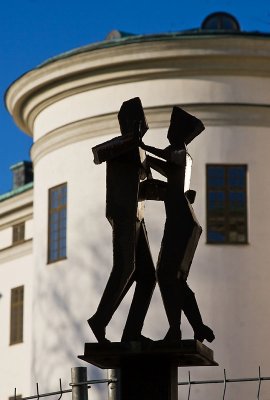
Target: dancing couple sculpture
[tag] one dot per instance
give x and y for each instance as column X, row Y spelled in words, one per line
column 129, row 184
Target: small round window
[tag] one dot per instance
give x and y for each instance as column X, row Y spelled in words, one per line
column 221, row 21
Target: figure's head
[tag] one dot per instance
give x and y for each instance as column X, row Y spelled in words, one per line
column 131, row 118
column 183, row 128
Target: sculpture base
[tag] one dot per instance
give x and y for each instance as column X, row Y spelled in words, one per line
column 148, row 370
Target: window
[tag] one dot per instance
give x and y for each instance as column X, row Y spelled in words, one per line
column 57, row 223
column 18, row 233
column 16, row 315
column 221, row 21
column 226, row 204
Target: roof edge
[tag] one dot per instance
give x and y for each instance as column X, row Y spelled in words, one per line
column 16, row 192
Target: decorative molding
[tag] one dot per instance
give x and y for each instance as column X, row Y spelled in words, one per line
column 16, row 208
column 158, row 117
column 161, row 58
column 15, row 219
column 17, row 251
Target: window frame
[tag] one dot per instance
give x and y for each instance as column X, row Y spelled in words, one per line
column 16, row 315
column 18, row 233
column 52, row 211
column 226, row 214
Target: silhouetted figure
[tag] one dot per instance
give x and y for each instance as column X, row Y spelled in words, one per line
column 132, row 260
column 181, row 231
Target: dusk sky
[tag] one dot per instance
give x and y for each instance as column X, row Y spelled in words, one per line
column 32, row 31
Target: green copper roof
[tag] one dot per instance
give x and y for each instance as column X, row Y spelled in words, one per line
column 19, row 164
column 17, row 191
column 124, row 38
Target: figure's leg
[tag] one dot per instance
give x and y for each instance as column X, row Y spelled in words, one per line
column 172, row 300
column 192, row 312
column 145, row 284
column 121, row 277
column 171, row 253
column 171, row 296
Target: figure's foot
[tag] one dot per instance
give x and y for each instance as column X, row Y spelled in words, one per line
column 204, row 333
column 98, row 330
column 136, row 338
column 173, row 335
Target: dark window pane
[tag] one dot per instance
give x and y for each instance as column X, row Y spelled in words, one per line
column 63, row 196
column 62, row 252
column 226, row 204
column 54, row 199
column 215, row 236
column 57, row 223
column 237, row 177
column 16, row 315
column 18, row 232
column 216, row 200
column 54, row 218
column 216, row 177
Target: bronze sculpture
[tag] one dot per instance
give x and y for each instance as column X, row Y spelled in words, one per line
column 181, row 231
column 132, row 260
column 129, row 183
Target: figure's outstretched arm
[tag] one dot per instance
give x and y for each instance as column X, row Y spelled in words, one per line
column 113, row 148
column 161, row 153
column 175, row 156
column 158, row 165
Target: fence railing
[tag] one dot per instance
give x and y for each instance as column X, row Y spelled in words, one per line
column 224, row 381
column 80, row 385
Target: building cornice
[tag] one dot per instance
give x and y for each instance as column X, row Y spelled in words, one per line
column 143, row 60
column 16, row 208
column 16, row 218
column 17, row 191
column 17, row 251
column 158, row 118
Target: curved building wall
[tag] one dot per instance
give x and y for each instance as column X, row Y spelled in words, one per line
column 69, row 106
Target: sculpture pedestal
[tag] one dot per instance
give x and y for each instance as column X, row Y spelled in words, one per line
column 148, row 370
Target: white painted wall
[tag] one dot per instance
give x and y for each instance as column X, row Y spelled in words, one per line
column 5, row 237
column 6, row 234
column 28, row 233
column 15, row 361
column 153, row 93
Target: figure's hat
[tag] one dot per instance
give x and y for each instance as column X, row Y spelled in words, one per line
column 131, row 117
column 184, row 127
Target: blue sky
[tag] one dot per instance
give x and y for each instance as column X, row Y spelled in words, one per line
column 32, row 31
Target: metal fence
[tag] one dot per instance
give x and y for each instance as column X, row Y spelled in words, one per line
column 79, row 385
column 224, row 382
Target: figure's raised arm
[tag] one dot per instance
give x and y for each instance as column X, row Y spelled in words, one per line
column 161, row 153
column 157, row 164
column 113, row 148
column 170, row 154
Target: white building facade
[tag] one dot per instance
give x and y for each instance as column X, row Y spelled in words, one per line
column 16, row 302
column 68, row 105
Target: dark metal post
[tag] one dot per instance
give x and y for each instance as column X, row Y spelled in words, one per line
column 149, row 378
column 78, row 375
column 114, row 387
